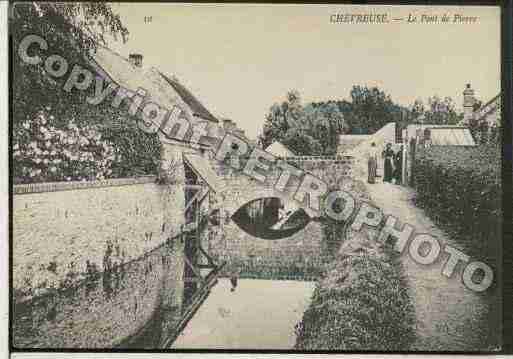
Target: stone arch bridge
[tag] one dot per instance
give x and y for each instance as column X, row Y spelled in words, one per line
column 298, row 256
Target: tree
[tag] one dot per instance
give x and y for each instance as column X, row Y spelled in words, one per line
column 371, row 109
column 301, row 143
column 441, row 111
column 72, row 30
column 282, row 117
column 309, row 130
column 80, row 25
column 321, row 123
column 417, row 109
column 325, row 123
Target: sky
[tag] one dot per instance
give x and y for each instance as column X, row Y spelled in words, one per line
column 239, row 59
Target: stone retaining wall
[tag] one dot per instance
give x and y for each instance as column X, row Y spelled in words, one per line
column 93, row 261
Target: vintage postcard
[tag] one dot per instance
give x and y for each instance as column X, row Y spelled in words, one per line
column 271, row 177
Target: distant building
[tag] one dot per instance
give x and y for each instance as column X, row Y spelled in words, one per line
column 231, row 127
column 348, row 142
column 279, row 150
column 489, row 112
column 439, row 135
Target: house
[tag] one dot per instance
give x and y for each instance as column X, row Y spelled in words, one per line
column 279, row 150
column 489, row 112
column 348, row 142
column 162, row 89
column 196, row 107
column 180, row 157
column 231, row 127
column 133, row 75
column 440, row 135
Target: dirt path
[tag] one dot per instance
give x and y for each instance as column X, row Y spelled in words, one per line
column 449, row 316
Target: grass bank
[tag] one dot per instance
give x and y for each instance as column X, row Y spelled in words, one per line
column 361, row 301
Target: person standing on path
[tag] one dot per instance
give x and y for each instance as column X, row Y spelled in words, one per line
column 398, row 159
column 388, row 155
column 427, row 138
column 234, row 279
column 372, row 163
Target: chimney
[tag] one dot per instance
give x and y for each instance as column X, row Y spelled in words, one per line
column 228, row 125
column 468, row 104
column 135, row 59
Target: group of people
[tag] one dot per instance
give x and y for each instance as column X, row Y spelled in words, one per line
column 392, row 166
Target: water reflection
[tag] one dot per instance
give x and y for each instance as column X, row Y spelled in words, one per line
column 271, row 218
column 245, row 318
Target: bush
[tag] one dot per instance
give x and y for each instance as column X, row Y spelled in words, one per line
column 361, row 301
column 50, row 149
column 139, row 152
column 43, row 151
column 122, row 150
column 460, row 188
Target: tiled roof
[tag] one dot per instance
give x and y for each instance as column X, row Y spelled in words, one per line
column 444, row 135
column 497, row 97
column 492, row 105
column 451, row 137
column 279, row 150
column 162, row 90
column 196, row 107
column 352, row 138
column 348, row 142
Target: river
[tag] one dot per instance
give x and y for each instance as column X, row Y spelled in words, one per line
column 259, row 314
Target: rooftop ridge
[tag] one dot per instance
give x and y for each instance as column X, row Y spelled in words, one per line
column 196, row 106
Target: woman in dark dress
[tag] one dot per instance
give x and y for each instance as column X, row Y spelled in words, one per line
column 398, row 173
column 372, row 162
column 388, row 155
